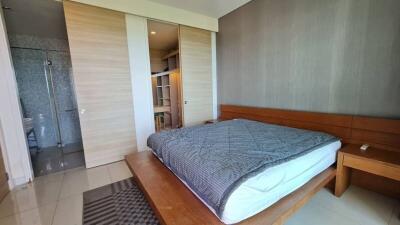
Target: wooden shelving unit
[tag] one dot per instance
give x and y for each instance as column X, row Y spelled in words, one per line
column 166, row 94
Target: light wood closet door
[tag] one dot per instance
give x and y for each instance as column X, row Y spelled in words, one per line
column 195, row 52
column 99, row 53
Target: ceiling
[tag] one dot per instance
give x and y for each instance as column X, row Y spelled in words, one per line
column 166, row 37
column 212, row 8
column 43, row 18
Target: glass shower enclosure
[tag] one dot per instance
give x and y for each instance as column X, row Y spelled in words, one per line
column 47, row 97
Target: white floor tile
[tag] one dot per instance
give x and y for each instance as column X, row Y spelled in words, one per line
column 30, row 196
column 39, row 216
column 79, row 181
column 313, row 214
column 365, row 206
column 119, row 171
column 55, row 177
column 8, row 206
column 39, row 194
column 69, row 211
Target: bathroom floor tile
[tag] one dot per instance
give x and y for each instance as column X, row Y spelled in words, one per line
column 53, row 159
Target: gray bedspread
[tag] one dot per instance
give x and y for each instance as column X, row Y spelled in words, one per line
column 215, row 159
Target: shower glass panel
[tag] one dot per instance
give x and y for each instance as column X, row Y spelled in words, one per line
column 33, row 89
column 47, row 96
column 64, row 95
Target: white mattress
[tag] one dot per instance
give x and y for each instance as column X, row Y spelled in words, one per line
column 263, row 190
column 269, row 186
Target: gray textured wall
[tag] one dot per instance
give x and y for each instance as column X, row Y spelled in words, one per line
column 340, row 56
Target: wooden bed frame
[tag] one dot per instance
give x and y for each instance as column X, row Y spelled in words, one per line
column 174, row 203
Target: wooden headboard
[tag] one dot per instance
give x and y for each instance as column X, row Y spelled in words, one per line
column 377, row 132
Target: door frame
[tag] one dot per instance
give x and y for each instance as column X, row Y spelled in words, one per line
column 15, row 147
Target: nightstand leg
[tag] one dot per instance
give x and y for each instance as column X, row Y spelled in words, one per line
column 342, row 176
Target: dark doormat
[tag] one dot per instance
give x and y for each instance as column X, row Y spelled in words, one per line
column 117, row 203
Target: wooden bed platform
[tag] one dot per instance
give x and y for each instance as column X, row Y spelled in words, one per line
column 175, row 204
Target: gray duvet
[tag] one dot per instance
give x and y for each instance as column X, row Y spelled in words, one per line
column 215, row 159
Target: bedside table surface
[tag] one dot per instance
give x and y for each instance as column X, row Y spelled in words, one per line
column 386, row 156
column 375, row 161
column 213, row 121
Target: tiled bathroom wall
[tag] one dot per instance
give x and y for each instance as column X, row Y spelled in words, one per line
column 34, row 84
column 27, row 41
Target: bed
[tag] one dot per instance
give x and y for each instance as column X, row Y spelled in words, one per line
column 174, row 203
column 240, row 167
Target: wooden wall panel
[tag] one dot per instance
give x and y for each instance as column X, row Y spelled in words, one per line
column 376, row 124
column 335, row 124
column 311, row 117
column 195, row 54
column 100, row 61
column 383, row 133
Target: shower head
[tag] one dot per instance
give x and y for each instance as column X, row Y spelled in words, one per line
column 6, row 8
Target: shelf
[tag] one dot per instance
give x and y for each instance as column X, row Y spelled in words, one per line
column 164, row 73
column 159, row 109
column 173, row 53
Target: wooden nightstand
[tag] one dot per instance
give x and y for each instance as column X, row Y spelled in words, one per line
column 212, row 121
column 376, row 161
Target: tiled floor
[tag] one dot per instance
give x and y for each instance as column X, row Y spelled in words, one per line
column 57, row 199
column 356, row 207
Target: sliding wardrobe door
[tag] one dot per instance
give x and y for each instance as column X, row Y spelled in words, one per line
column 195, row 52
column 100, row 62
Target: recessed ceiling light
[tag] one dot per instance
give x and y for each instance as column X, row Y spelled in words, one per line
column 153, row 32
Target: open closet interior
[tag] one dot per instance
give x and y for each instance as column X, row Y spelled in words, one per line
column 165, row 74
